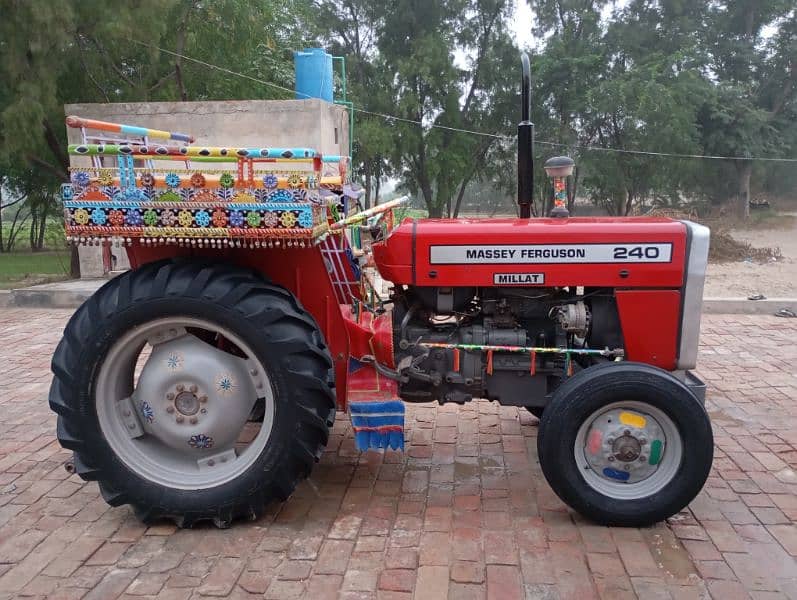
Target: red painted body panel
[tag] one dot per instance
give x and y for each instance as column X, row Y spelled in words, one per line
column 650, row 323
column 412, row 240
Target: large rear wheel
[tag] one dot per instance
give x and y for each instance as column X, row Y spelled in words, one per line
column 625, row 444
column 193, row 391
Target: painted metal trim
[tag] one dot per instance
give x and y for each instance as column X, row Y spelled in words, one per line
column 692, row 294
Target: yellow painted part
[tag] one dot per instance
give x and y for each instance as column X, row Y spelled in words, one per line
column 214, row 232
column 633, row 420
column 212, row 182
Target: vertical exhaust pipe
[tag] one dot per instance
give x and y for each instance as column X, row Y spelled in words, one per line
column 525, row 144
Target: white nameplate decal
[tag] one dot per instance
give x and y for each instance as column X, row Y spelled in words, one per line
column 518, row 278
column 550, row 253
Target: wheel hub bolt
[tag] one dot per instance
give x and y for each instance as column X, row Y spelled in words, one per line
column 180, row 387
column 643, row 441
column 611, row 459
column 169, row 409
column 170, row 396
column 193, row 389
column 203, row 399
column 193, row 420
column 253, row 372
column 180, row 419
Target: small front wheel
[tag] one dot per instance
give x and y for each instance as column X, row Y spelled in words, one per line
column 625, row 444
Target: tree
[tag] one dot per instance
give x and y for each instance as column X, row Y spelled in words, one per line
column 752, row 55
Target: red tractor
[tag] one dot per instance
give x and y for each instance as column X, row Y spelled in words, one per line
column 203, row 383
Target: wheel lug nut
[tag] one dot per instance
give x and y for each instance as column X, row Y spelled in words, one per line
column 204, row 411
column 170, row 396
column 627, row 432
column 611, row 459
column 628, row 467
column 203, row 399
column 643, row 441
column 253, row 372
column 193, row 389
column 643, row 458
column 193, row 420
column 180, row 387
column 180, row 419
column 610, row 440
column 169, row 409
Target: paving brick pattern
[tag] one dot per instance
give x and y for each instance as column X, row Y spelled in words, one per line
column 464, row 513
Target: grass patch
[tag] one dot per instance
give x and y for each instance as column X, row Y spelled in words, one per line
column 28, row 268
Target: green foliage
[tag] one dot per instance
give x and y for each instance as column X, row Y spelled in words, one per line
column 675, row 76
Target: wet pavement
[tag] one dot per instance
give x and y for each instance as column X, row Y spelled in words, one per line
column 463, row 513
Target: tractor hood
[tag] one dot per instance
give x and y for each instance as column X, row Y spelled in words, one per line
column 627, row 252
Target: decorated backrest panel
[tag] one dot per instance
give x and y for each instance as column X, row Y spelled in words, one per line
column 152, row 186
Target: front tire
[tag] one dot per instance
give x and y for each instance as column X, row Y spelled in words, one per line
column 157, row 379
column 625, row 444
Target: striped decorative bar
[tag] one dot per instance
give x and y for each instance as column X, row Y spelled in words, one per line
column 78, row 122
column 187, row 151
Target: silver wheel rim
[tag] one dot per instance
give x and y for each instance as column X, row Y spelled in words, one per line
column 628, row 450
column 184, row 422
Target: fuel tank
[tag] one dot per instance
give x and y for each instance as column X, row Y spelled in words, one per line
column 631, row 252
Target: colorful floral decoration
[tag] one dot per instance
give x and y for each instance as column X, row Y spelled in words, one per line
column 294, row 180
column 226, row 181
column 306, row 219
column 198, row 180
column 288, row 219
column 312, row 182
column 280, row 196
column 67, row 193
column 147, row 179
column 202, row 218
column 172, row 180
column 134, row 218
column 219, row 218
column 105, row 177
column 80, row 178
column 169, row 196
column 225, row 384
column 237, row 219
column 270, row 181
column 200, row 441
column 253, row 218
column 185, row 218
column 244, row 198
column 81, row 216
column 271, row 220
column 147, row 412
column 174, row 361
column 98, row 216
column 132, row 194
column 116, row 218
column 168, row 218
column 205, row 196
column 150, row 218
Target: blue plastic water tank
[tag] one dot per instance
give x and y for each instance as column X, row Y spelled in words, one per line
column 313, row 74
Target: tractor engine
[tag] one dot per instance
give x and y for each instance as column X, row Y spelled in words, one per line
column 506, row 317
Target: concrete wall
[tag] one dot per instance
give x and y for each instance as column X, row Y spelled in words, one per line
column 253, row 123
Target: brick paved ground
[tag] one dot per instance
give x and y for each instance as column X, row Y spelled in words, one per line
column 464, row 513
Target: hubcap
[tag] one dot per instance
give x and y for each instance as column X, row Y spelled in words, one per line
column 184, row 421
column 628, row 450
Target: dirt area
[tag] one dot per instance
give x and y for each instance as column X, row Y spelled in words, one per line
column 773, row 279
